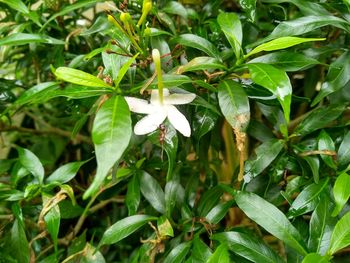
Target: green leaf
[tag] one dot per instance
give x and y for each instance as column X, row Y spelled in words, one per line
column 200, row 251
column 309, row 8
column 248, row 246
column 157, row 32
column 65, row 173
column 124, row 69
column 276, row 81
column 37, row 94
column 17, row 5
column 169, row 80
column 265, row 154
column 281, row 43
column 18, row 245
column 79, row 77
column 232, row 28
column 17, row 39
column 152, row 191
column 287, row 61
column 132, row 198
column 197, row 42
column 249, row 7
column 325, row 143
column 99, row 25
column 175, row 8
column 337, row 77
column 221, row 255
column 318, row 119
column 343, row 154
column 52, row 220
column 111, row 62
column 164, row 227
column 234, row 104
column 321, row 226
column 31, row 191
column 307, row 199
column 314, row 164
column 314, row 257
column 178, row 253
column 174, row 194
column 167, row 21
column 259, row 131
column 271, row 219
column 341, row 192
column 111, row 133
column 201, row 63
column 90, row 255
column 341, row 235
column 306, row 24
column 170, row 145
column 218, row 212
column 32, row 163
column 73, row 91
column 124, row 228
column 204, row 122
column 208, row 200
column 199, row 101
column 65, row 188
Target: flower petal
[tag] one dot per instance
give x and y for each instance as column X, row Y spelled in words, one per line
column 179, row 121
column 177, row 98
column 139, row 105
column 149, row 123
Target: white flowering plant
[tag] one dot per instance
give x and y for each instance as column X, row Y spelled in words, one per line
column 174, row 131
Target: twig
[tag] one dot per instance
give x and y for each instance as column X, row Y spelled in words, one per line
column 106, row 202
column 88, row 209
column 316, row 152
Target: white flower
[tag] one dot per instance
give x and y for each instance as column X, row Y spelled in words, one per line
column 158, row 112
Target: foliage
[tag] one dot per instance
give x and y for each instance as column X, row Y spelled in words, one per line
column 243, row 155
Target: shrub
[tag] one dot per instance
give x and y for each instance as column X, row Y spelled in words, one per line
column 189, row 131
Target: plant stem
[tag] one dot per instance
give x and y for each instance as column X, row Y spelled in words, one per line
column 158, row 68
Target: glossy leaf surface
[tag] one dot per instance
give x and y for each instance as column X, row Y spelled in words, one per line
column 152, row 191
column 32, row 163
column 111, row 134
column 124, row 228
column 234, row 104
column 341, row 235
column 79, row 77
column 286, row 60
column 307, row 199
column 337, row 77
column 232, row 28
column 321, row 226
column 25, row 38
column 276, row 81
column 265, row 154
column 281, row 43
column 197, row 42
column 341, row 192
column 248, row 247
column 178, row 253
column 271, row 219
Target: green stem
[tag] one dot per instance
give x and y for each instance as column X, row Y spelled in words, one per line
column 158, row 68
column 126, row 19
